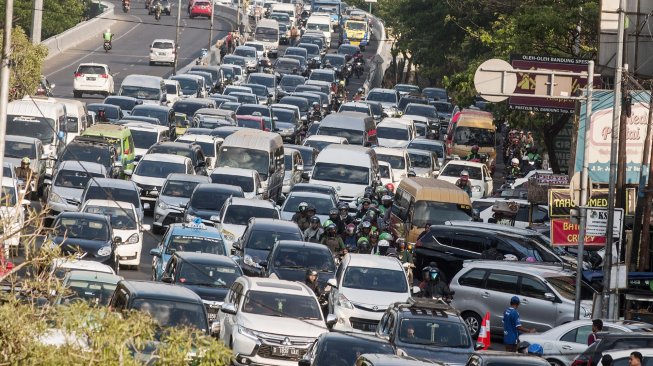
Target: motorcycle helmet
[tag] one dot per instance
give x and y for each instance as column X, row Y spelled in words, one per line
column 514, row 161
column 464, row 175
column 384, row 243
column 363, row 245
column 434, row 274
column 366, row 201
column 386, row 198
column 343, row 207
column 25, row 161
column 390, row 187
column 315, row 220
column 350, row 229
column 331, row 227
column 366, row 225
column 385, row 236
column 316, row 105
column 333, row 211
column 302, row 207
column 311, row 272
column 535, row 349
column 360, row 91
column 310, row 208
column 475, row 149
column 327, row 223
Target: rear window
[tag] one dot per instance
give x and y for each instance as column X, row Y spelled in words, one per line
column 91, row 70
column 162, row 45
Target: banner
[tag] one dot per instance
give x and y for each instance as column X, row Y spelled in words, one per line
column 560, row 202
column 563, row 232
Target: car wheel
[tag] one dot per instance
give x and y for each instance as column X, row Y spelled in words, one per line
column 151, row 63
column 473, row 322
column 555, row 362
column 77, row 94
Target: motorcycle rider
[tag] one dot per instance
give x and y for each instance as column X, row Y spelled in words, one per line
column 492, row 253
column 359, row 95
column 374, row 243
column 350, row 238
column 474, row 155
column 24, row 173
column 107, row 36
column 311, row 282
column 343, row 214
column 294, row 36
column 301, row 217
column 365, row 230
column 102, row 116
column 386, row 204
column 464, row 183
column 363, row 245
column 332, row 240
column 532, row 154
column 316, row 113
column 433, row 283
column 157, row 9
column 513, row 169
column 362, row 209
column 335, row 218
column 314, row 232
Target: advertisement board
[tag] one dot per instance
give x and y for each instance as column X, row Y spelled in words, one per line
column 565, row 233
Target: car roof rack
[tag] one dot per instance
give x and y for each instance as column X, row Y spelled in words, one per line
column 433, row 306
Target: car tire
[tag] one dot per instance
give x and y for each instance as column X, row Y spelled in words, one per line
column 151, row 63
column 473, row 322
column 77, row 94
column 555, row 362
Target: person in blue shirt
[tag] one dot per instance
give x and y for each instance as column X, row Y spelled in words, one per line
column 512, row 326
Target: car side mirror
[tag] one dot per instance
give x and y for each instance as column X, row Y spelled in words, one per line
column 228, row 309
column 479, row 346
column 117, row 240
column 332, row 282
column 415, row 290
column 156, row 252
column 550, row 296
column 263, row 264
column 166, row 279
column 128, row 172
column 331, row 320
column 215, row 218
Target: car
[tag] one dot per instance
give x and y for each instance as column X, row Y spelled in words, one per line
column 190, row 150
column 316, row 188
column 407, row 99
column 164, row 114
column 210, row 145
column 547, row 292
column 208, row 275
column 112, row 113
column 289, row 260
column 324, row 75
column 426, row 329
column 288, row 123
column 294, row 168
column 19, row 147
column 163, row 51
column 395, row 132
column 436, row 94
column 245, row 98
column 268, row 321
column 479, row 176
column 436, row 146
column 286, row 66
column 185, row 237
column 404, row 89
column 85, row 235
column 319, row 142
column 288, row 83
column 393, row 360
column 348, row 51
column 610, row 342
column 206, row 201
column 93, row 150
column 92, row 287
column 356, row 107
column 322, row 202
column 92, row 78
column 127, row 228
column 389, row 98
column 64, row 192
column 345, row 346
column 145, row 135
column 398, row 159
column 423, row 163
column 152, row 171
column 366, row 285
column 490, row 358
column 201, row 8
column 12, row 214
column 250, row 55
column 427, row 113
column 623, row 357
column 116, row 190
column 172, row 201
column 564, row 342
column 258, row 240
column 247, row 179
column 125, row 103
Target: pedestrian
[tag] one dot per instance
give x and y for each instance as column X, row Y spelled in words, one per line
column 294, row 36
column 606, row 360
column 597, row 326
column 512, row 326
column 229, row 41
column 636, row 359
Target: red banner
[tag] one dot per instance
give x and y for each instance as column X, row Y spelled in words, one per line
column 563, row 232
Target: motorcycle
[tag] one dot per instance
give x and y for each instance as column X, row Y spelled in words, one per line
column 157, row 12
column 359, row 67
column 125, row 6
column 107, row 46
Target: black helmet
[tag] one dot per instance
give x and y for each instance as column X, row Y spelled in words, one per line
column 315, row 219
column 333, row 211
column 310, row 208
column 363, row 246
column 311, row 272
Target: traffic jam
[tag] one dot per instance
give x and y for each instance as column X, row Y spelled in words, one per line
column 272, row 201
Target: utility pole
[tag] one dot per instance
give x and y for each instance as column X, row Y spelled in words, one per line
column 211, row 28
column 607, row 309
column 621, row 157
column 174, row 64
column 37, row 20
column 4, row 78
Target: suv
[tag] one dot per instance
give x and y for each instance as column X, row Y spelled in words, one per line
column 116, row 190
column 364, row 287
column 411, row 327
column 163, row 50
column 172, row 201
column 189, row 150
column 94, row 150
column 64, row 192
column 490, row 358
column 268, row 321
column 612, row 342
column 207, row 200
column 289, row 260
column 92, row 78
column 236, row 214
column 547, row 293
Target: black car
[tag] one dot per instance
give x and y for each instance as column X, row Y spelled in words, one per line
column 337, row 62
column 335, row 348
column 490, row 358
column 191, row 151
column 189, row 106
column 288, row 123
column 426, row 329
column 309, row 154
column 349, row 51
column 164, row 114
column 208, row 275
column 125, row 103
column 207, row 200
column 301, row 103
column 616, row 341
column 258, row 239
column 95, row 150
column 112, row 112
column 288, row 84
column 87, row 236
column 225, row 131
column 287, row 66
column 290, row 259
column 410, row 98
column 449, row 246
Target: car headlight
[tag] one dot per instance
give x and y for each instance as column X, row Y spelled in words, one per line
column 228, row 235
column 248, row 260
column 55, row 198
column 341, row 300
column 133, row 239
column 247, row 333
column 476, row 188
column 163, row 205
column 104, row 251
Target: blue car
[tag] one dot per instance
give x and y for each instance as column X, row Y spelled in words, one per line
column 186, row 237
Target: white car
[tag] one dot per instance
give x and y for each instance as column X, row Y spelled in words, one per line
column 247, row 179
column 621, row 357
column 12, row 214
column 269, row 322
column 235, row 215
column 145, row 135
column 479, row 176
column 173, row 91
column 210, row 147
column 366, row 286
column 163, row 51
column 92, row 78
column 395, row 132
column 125, row 224
column 398, row 160
column 386, row 174
column 71, row 264
column 563, row 343
column 152, row 171
column 319, row 142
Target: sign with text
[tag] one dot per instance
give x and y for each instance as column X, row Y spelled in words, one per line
column 564, row 233
column 597, row 222
column 561, row 203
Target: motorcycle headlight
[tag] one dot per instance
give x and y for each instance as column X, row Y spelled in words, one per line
column 163, row 205
column 104, row 251
column 133, row 239
column 341, row 300
column 476, row 188
column 248, row 260
column 228, row 235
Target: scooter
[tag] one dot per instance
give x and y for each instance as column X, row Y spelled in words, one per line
column 107, row 46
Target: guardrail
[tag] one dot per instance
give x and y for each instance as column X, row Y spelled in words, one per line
column 377, row 70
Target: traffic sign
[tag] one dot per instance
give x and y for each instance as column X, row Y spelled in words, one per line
column 597, row 221
column 493, row 78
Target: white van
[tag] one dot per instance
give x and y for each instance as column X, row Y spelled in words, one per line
column 42, row 118
column 320, row 23
column 77, row 118
column 395, row 132
column 267, row 32
column 286, row 9
column 149, row 89
column 347, row 168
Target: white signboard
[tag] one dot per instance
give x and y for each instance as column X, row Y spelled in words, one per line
column 597, row 222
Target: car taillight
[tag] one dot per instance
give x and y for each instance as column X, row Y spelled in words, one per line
column 104, row 76
column 582, row 362
column 78, row 74
column 418, row 243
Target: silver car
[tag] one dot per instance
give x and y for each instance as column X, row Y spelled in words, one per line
column 171, row 202
column 546, row 291
column 64, row 192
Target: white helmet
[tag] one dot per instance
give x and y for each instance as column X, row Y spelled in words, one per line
column 108, row 30
column 514, row 161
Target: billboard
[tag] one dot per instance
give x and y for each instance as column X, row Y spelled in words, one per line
column 601, row 136
column 563, row 232
column 529, row 83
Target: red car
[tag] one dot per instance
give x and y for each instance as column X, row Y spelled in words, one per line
column 201, row 9
column 254, row 122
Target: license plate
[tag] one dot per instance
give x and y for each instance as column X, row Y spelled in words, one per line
column 162, row 53
column 285, row 351
column 90, row 79
column 213, row 316
column 371, row 327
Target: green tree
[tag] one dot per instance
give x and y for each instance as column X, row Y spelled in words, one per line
column 58, row 16
column 26, row 62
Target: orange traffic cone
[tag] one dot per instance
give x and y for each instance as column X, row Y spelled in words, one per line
column 484, row 333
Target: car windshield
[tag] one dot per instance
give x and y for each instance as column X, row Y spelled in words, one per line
column 208, row 148
column 407, row 88
column 194, row 243
column 121, row 218
column 306, row 257
column 348, row 50
column 474, row 136
column 158, row 169
column 173, row 313
column 281, row 305
column 318, row 144
column 334, row 60
column 83, row 228
column 375, row 279
column 302, row 103
column 17, row 149
column 72, row 124
column 209, row 200
column 357, row 26
column 171, row 89
column 261, row 80
column 37, row 127
column 111, row 113
column 244, row 182
column 178, row 188
column 439, row 213
column 434, row 332
column 162, row 45
column 421, row 110
column 207, row 274
column 187, row 108
column 144, row 139
column 435, row 93
column 91, row 69
column 95, row 192
column 382, row 97
column 235, row 60
column 265, row 240
column 287, row 64
column 140, row 92
column 249, row 123
column 384, row 171
column 566, row 287
column 295, row 51
column 396, row 162
column 340, row 173
column 284, row 115
column 420, row 160
column 322, row 204
column 454, row 170
column 392, row 133
column 260, row 90
column 93, row 292
column 323, row 76
column 253, row 110
column 240, row 215
column 159, row 114
column 318, row 26
column 354, row 137
column 307, row 156
column 443, row 107
column 124, row 103
column 184, row 151
column 436, row 148
column 188, row 85
column 311, row 49
column 74, row 178
column 240, row 157
column 354, row 108
column 266, row 34
column 290, row 80
column 349, row 349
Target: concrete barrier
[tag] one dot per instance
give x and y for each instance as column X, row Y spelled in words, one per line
column 81, row 32
column 375, row 76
